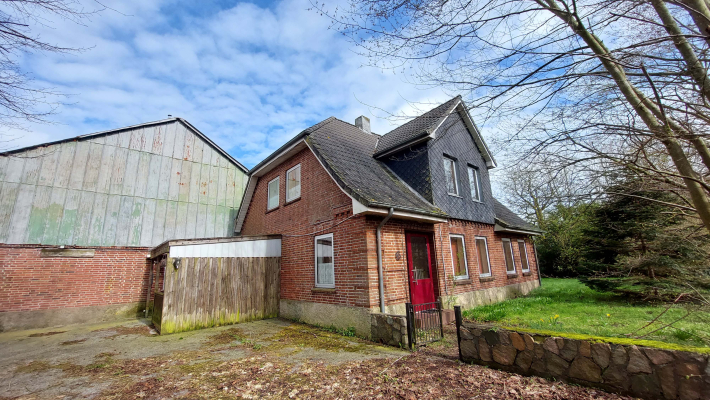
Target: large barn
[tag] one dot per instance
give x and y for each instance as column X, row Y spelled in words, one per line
column 78, row 217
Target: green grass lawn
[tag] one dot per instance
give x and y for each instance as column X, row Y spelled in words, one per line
column 566, row 305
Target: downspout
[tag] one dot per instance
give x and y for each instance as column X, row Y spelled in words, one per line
column 379, row 259
column 537, row 264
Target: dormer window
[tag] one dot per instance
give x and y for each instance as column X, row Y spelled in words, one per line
column 474, row 180
column 452, row 186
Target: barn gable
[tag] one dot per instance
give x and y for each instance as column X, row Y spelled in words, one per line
column 135, row 186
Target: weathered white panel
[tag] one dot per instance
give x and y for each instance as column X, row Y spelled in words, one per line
column 223, row 163
column 14, row 169
column 191, row 222
column 185, row 173
column 214, row 185
column 242, row 249
column 118, row 171
column 3, row 167
column 82, row 229
column 169, row 140
column 38, row 215
column 78, row 168
column 136, row 218
column 221, row 222
column 240, row 181
column 98, row 216
column 64, row 166
column 194, row 195
column 8, row 197
column 137, row 139
column 33, row 164
column 181, row 220
column 201, row 221
column 158, row 136
column 179, row 145
column 49, row 165
column 197, row 154
column 147, row 146
column 151, row 190
column 229, row 187
column 55, row 213
column 189, row 148
column 124, row 221
column 98, row 139
column 222, row 187
column 124, row 139
column 69, row 216
column 204, row 183
column 209, row 221
column 174, row 188
column 113, row 207
column 166, row 164
column 207, row 154
column 170, row 221
column 142, row 174
column 148, row 221
column 130, row 179
column 161, row 207
column 103, row 184
column 112, row 140
column 93, row 166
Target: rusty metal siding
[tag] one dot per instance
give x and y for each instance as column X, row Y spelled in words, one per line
column 137, row 187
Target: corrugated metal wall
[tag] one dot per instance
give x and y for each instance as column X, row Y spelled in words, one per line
column 138, row 187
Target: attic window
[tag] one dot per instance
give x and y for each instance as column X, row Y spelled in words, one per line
column 452, row 186
column 273, row 197
column 293, row 183
column 474, row 180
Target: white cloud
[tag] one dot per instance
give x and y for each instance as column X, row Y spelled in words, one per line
column 249, row 77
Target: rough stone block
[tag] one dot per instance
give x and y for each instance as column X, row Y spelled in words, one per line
column 601, row 353
column 569, row 350
column 560, row 342
column 616, row 376
column 466, row 334
column 551, row 345
column 555, row 364
column 468, row 349
column 504, row 338
column 691, row 389
column 585, row 349
column 524, row 359
column 645, row 386
column 517, row 341
column 491, row 337
column 504, row 354
column 687, row 368
column 484, row 352
column 585, row 369
column 476, row 332
column 658, row 356
column 539, row 351
column 638, row 363
column 538, row 366
column 618, row 356
column 666, row 377
column 529, row 341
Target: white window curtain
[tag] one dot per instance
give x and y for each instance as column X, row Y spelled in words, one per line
column 474, row 181
column 450, row 171
column 293, row 183
column 508, row 253
column 273, row 198
column 325, row 274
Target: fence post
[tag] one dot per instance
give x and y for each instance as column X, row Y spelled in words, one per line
column 457, row 314
column 441, row 318
column 410, row 325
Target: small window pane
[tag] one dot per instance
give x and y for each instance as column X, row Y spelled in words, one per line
column 273, row 194
column 420, row 257
column 508, row 253
column 458, row 255
column 482, row 248
column 474, row 181
column 293, row 183
column 325, row 275
column 450, row 171
column 523, row 256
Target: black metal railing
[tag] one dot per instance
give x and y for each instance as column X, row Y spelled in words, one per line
column 424, row 323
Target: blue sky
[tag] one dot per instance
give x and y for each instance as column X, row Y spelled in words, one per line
column 248, row 75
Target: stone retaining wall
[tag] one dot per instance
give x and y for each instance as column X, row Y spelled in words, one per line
column 389, row 329
column 644, row 372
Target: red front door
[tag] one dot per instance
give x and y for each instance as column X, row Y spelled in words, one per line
column 421, row 284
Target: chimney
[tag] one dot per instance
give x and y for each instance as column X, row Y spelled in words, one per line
column 363, row 123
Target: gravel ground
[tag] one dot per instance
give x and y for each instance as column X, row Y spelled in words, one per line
column 264, row 359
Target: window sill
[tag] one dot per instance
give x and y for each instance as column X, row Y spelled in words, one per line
column 527, row 273
column 486, row 279
column 455, row 195
column 272, row 209
column 466, row 281
column 512, row 276
column 322, row 290
column 292, row 201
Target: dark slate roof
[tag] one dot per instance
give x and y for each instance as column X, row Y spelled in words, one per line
column 417, row 128
column 508, row 219
column 347, row 152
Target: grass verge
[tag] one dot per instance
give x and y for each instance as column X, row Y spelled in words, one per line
column 568, row 306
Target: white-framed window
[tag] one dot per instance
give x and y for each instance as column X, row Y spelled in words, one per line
column 273, row 194
column 484, row 260
column 474, row 180
column 524, row 263
column 452, row 186
column 508, row 255
column 458, row 256
column 293, row 183
column 325, row 263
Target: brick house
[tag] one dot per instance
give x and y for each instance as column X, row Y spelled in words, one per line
column 421, row 193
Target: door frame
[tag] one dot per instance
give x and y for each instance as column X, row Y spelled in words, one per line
column 434, row 272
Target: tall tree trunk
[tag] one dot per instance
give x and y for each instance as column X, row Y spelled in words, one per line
column 642, row 107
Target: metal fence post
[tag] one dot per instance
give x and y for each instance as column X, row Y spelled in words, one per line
column 441, row 318
column 410, row 324
column 457, row 314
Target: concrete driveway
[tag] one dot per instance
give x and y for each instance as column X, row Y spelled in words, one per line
column 264, row 359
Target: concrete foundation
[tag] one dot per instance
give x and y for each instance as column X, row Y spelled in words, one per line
column 491, row 295
column 20, row 320
column 322, row 314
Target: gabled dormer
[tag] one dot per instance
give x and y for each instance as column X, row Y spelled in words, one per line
column 442, row 156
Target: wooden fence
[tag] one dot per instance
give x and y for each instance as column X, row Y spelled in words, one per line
column 210, row 291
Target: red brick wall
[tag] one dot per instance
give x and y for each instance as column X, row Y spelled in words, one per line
column 323, row 208
column 112, row 276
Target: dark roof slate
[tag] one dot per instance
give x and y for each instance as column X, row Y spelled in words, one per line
column 420, row 126
column 347, row 153
column 508, row 219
